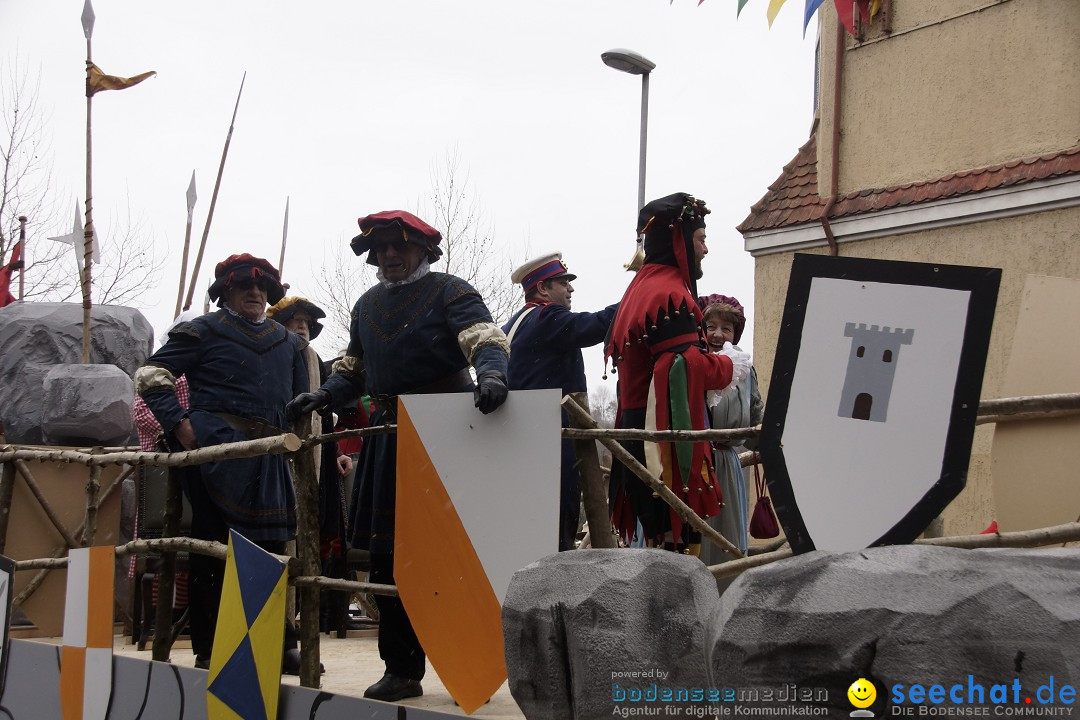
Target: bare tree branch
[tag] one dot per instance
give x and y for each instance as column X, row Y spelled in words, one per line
column 341, row 281
column 26, row 175
column 470, row 247
column 130, row 265
column 470, row 251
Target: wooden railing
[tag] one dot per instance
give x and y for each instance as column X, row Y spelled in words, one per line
column 303, row 569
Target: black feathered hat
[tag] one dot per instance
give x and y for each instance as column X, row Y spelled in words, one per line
column 666, row 228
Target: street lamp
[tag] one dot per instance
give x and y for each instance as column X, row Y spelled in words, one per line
column 629, row 61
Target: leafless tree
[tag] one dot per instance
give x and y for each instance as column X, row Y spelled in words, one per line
column 130, row 265
column 342, row 278
column 26, row 181
column 470, row 250
column 469, row 247
column 602, row 405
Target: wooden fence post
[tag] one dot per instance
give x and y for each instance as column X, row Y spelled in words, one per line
column 307, row 550
column 7, row 489
column 166, row 575
column 594, row 490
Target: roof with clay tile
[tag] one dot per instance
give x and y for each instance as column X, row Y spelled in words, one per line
column 793, row 199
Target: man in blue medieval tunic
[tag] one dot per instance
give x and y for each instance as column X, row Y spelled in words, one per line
column 242, row 370
column 414, row 332
column 545, row 343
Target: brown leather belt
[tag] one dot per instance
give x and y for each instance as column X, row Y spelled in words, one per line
column 254, row 428
column 454, row 382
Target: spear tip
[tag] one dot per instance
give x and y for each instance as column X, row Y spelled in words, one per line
column 191, row 196
column 88, row 19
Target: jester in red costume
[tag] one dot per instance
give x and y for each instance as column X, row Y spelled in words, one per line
column 664, row 368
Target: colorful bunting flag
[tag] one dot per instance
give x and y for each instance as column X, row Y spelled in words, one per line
column 808, row 12
column 774, row 8
column 845, row 11
column 96, row 80
column 245, row 666
column 86, row 656
column 864, row 11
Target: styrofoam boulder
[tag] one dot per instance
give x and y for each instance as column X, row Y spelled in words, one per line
column 37, row 336
column 591, row 631
column 87, row 405
column 908, row 614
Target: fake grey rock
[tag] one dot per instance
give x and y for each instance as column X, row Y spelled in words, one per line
column 37, row 336
column 902, row 615
column 590, row 632
column 87, row 405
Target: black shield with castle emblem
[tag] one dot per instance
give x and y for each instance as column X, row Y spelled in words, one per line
column 871, row 407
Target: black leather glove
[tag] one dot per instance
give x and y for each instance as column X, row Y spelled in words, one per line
column 490, row 391
column 305, row 403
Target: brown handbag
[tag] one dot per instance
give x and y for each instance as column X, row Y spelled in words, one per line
column 763, row 523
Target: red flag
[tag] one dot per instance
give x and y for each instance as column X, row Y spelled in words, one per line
column 845, row 12
column 864, row 11
column 6, row 298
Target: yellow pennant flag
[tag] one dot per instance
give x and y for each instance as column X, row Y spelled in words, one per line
column 97, row 80
column 774, row 8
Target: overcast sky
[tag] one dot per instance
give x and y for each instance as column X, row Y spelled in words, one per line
column 348, row 106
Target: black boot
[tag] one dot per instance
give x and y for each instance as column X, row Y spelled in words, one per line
column 392, row 688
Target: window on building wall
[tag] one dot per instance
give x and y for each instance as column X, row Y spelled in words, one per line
column 861, row 351
column 886, row 356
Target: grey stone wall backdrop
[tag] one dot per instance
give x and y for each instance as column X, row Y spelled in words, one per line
column 35, row 337
column 902, row 615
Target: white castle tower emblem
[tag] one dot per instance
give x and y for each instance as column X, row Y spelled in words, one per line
column 871, row 369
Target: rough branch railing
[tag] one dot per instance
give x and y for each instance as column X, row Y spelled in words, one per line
column 301, row 570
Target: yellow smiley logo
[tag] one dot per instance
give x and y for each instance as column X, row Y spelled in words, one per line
column 862, row 693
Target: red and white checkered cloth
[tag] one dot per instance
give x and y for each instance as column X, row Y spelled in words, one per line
column 146, row 425
column 148, row 428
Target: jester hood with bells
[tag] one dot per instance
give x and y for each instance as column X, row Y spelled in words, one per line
column 657, row 348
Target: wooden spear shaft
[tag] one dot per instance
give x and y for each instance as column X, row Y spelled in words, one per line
column 213, row 200
column 618, row 452
column 88, row 228
column 22, row 245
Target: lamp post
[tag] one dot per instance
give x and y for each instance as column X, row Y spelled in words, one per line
column 629, row 61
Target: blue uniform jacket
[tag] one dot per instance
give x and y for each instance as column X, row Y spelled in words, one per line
column 545, row 352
